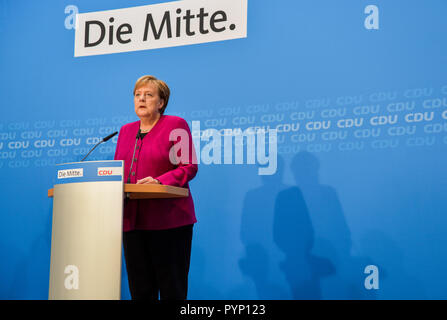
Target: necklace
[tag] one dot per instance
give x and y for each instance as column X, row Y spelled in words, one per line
column 147, row 130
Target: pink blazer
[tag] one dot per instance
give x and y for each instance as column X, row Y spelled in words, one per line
column 152, row 159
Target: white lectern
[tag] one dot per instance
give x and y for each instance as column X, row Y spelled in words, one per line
column 87, row 231
column 87, row 228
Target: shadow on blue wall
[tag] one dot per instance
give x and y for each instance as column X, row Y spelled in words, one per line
column 329, row 243
column 294, row 235
column 261, row 253
column 297, row 242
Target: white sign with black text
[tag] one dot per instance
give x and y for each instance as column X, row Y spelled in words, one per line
column 169, row 24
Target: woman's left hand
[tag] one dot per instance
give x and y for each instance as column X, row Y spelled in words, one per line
column 148, row 180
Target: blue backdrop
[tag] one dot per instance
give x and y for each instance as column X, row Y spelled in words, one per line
column 362, row 135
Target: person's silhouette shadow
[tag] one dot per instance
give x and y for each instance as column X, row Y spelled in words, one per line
column 260, row 261
column 330, row 236
column 294, row 234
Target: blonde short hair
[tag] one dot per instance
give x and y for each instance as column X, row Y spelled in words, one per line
column 163, row 89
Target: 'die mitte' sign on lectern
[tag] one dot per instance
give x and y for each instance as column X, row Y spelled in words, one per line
column 87, row 227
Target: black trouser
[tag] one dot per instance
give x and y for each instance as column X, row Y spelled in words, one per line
column 157, row 261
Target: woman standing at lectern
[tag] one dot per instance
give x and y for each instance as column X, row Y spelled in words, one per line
column 157, row 233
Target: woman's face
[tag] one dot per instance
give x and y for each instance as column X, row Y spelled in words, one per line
column 147, row 101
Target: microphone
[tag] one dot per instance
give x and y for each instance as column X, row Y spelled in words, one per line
column 110, row 136
column 133, row 156
column 103, row 140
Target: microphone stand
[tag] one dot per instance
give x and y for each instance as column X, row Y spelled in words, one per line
column 133, row 156
column 103, row 140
